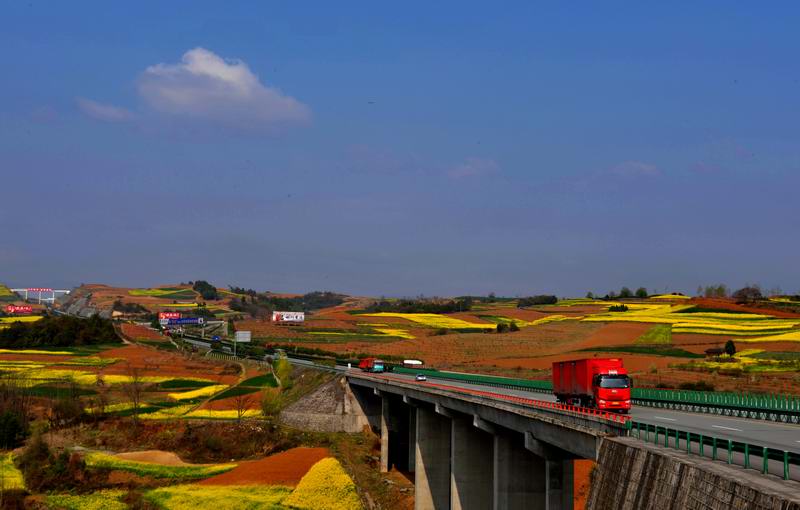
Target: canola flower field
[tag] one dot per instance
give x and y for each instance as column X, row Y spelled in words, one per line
column 435, row 320
column 747, row 360
column 683, row 320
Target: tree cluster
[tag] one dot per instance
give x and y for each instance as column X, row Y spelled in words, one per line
column 748, row 294
column 205, row 289
column 60, row 331
column 129, row 308
column 421, row 305
column 262, row 305
column 542, row 299
column 713, row 291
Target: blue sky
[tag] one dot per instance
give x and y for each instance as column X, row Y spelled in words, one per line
column 400, row 149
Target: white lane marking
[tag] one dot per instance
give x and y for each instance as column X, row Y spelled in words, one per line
column 727, row 428
column 668, row 419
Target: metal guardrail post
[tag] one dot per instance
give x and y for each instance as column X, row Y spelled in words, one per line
column 713, row 448
column 747, row 456
column 785, row 465
column 765, row 460
column 677, row 439
column 688, row 442
column 730, row 451
column 666, row 437
column 701, row 445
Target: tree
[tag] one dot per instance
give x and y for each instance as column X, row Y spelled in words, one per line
column 513, row 327
column 589, row 295
column 271, row 401
column 699, row 291
column 502, row 327
column 730, row 348
column 748, row 294
column 625, row 292
column 242, row 403
column 133, row 389
column 641, row 293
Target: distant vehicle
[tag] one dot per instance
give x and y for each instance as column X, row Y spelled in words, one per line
column 215, row 338
column 373, row 365
column 602, row 383
column 412, row 363
column 421, row 377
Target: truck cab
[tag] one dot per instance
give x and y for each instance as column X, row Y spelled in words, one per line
column 612, row 392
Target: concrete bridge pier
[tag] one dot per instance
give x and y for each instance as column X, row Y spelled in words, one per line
column 432, row 471
column 519, row 475
column 471, row 463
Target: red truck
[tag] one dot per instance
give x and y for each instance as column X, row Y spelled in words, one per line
column 371, row 365
column 602, row 383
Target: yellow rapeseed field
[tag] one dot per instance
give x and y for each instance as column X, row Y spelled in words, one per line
column 228, row 497
column 222, row 415
column 434, row 320
column 200, row 392
column 110, row 499
column 326, row 485
column 10, row 476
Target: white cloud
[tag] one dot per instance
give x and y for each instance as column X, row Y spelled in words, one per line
column 104, row 112
column 636, row 168
column 473, row 167
column 204, row 86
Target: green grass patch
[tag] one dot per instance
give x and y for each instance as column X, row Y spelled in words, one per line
column 181, row 384
column 658, row 334
column 11, row 476
column 259, row 381
column 778, row 355
column 52, row 391
column 102, row 500
column 235, row 392
column 187, row 472
column 654, row 350
column 212, row 496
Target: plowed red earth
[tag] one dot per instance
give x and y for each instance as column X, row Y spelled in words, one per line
column 581, row 471
column 285, row 468
column 230, row 404
column 140, row 332
column 152, row 362
column 726, row 304
column 615, row 333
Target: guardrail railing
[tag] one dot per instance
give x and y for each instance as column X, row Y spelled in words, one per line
column 782, row 463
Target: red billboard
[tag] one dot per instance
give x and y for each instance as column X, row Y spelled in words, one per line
column 169, row 315
column 19, row 309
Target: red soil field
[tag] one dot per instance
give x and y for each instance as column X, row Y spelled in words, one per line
column 229, row 404
column 34, row 357
column 152, row 362
column 285, row 468
column 137, row 332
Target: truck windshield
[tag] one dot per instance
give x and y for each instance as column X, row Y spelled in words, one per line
column 614, row 381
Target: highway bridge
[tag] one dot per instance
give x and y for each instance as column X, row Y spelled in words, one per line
column 470, row 446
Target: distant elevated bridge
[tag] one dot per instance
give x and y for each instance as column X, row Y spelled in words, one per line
column 41, row 294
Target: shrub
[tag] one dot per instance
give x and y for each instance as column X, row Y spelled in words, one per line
column 618, row 308
column 730, row 348
column 502, row 327
column 326, row 485
column 513, row 326
column 696, row 386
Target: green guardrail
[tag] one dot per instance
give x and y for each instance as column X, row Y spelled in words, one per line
column 776, row 402
column 487, row 380
column 716, row 448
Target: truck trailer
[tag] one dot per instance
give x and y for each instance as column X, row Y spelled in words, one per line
column 602, row 383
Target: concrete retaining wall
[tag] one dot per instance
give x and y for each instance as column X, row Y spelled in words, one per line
column 333, row 407
column 633, row 475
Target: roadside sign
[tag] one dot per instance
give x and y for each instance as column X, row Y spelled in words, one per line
column 288, row 316
column 186, row 321
column 169, row 315
column 19, row 309
column 242, row 337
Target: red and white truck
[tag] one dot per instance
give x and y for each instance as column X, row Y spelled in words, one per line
column 602, row 383
column 371, row 365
